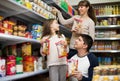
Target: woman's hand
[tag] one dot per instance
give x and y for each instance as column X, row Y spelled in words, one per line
column 55, row 10
column 77, row 75
column 76, row 28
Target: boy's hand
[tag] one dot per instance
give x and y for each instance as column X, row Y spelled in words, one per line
column 77, row 75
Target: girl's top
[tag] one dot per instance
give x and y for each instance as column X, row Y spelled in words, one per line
column 87, row 27
column 86, row 65
column 53, row 56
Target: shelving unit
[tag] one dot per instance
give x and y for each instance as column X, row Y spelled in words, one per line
column 107, row 40
column 105, row 51
column 24, row 75
column 10, row 8
column 52, row 3
column 108, row 27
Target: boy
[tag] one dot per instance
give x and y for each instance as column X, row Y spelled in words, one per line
column 86, row 60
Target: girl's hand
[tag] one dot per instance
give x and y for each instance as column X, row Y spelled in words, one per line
column 77, row 74
column 64, row 43
column 42, row 40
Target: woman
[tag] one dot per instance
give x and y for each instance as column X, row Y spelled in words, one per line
column 83, row 23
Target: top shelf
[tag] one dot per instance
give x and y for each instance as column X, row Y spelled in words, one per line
column 103, row 16
column 11, row 8
column 52, row 3
column 103, row 1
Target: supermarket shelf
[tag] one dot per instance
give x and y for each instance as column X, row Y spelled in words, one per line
column 11, row 8
column 24, row 75
column 52, row 3
column 11, row 39
column 103, row 2
column 104, row 16
column 107, row 38
column 105, row 51
column 107, row 27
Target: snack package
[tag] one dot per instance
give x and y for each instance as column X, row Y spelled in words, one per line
column 45, row 47
column 62, row 50
column 72, row 66
column 77, row 23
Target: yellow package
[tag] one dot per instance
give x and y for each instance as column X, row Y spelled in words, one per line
column 26, row 49
column 72, row 66
column 45, row 47
column 62, row 50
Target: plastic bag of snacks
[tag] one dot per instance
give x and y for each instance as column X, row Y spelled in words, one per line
column 72, row 66
column 62, row 50
column 45, row 47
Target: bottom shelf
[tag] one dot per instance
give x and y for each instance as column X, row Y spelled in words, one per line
column 24, row 75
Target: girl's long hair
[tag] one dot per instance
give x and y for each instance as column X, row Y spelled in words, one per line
column 47, row 29
column 91, row 12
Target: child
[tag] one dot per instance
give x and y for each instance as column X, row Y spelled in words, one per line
column 55, row 50
column 86, row 60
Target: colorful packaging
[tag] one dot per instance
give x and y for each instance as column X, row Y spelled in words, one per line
column 19, row 65
column 28, row 63
column 11, row 63
column 26, row 49
column 72, row 66
column 45, row 47
column 62, row 51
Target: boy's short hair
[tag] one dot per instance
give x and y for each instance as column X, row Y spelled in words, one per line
column 87, row 40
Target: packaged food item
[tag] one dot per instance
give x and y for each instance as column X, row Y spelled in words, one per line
column 62, row 50
column 72, row 66
column 11, row 63
column 96, row 78
column 19, row 65
column 28, row 63
column 77, row 24
column 96, row 71
column 105, row 78
column 40, row 63
column 45, row 47
column 116, row 78
column 2, row 67
column 26, row 49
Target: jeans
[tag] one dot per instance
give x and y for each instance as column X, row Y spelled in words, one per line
column 58, row 72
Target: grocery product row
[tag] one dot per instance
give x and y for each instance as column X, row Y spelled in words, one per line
column 106, row 45
column 62, row 4
column 14, row 27
column 109, row 33
column 108, row 21
column 38, row 6
column 113, row 9
column 108, row 60
column 20, row 58
column 107, row 73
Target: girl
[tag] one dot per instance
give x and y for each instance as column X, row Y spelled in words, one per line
column 56, row 50
column 83, row 23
